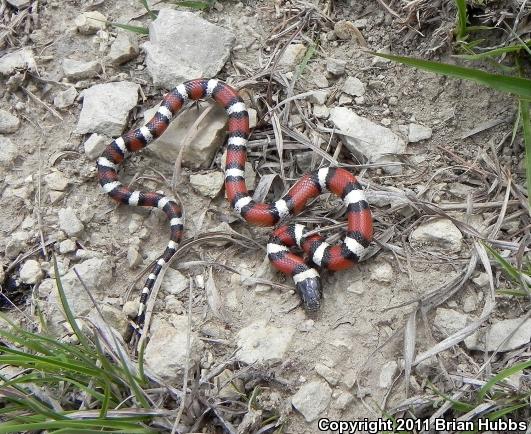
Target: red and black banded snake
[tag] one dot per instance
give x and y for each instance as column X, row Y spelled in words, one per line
column 336, row 180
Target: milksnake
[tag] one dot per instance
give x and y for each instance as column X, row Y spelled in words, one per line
column 317, row 251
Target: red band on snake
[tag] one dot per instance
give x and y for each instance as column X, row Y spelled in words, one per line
column 318, row 252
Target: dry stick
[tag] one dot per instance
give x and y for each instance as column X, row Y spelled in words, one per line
column 46, row 106
column 187, row 359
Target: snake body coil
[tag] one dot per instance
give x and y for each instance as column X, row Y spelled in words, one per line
column 337, row 180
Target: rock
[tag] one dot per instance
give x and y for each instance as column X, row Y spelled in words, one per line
column 260, row 342
column 292, row 56
column 8, row 122
column 418, row 132
column 344, row 99
column 382, row 272
column 124, row 48
column 88, row 23
column 56, row 181
column 106, row 108
column 165, row 353
column 329, row 374
column 361, row 23
column 67, row 246
column 336, row 66
column 8, row 150
column 253, row 117
column 17, row 60
column 17, row 244
column 312, row 399
column 387, row 374
column 70, row 223
column 342, row 400
column 470, row 303
column 112, row 316
column 65, row 98
column 208, row 184
column 96, row 275
column 201, row 51
column 94, row 146
column 226, row 384
column 440, row 234
column 491, row 338
column 427, row 367
column 321, row 111
column 134, row 258
column 353, row 86
column 356, row 287
column 78, row 70
column 319, row 96
column 345, row 30
column 202, row 149
column 174, row 282
column 363, row 137
column 130, row 308
column 31, row 272
column 482, row 280
column 19, row 4
column 449, row 321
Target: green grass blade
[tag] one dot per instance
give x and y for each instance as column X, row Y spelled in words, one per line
column 511, row 271
column 507, row 410
column 507, row 372
column 514, row 85
column 152, row 14
column 492, row 53
column 135, row 29
column 198, row 5
column 461, row 19
column 526, row 127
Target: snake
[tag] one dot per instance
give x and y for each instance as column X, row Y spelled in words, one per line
column 283, row 240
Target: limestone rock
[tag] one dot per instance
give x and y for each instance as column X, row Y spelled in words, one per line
column 69, row 222
column 364, row 137
column 94, row 146
column 88, row 23
column 31, row 272
column 65, row 98
column 8, row 122
column 124, row 48
column 201, row 51
column 78, row 70
column 449, row 321
column 17, row 60
column 260, row 342
column 312, row 399
column 106, row 108
column 495, row 334
column 292, row 56
column 208, row 184
column 440, row 234
column 418, row 132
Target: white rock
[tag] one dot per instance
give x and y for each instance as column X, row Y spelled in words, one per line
column 67, row 246
column 31, row 272
column 106, row 108
column 345, row 30
column 382, row 272
column 69, row 222
column 124, row 48
column 112, row 316
column 19, row 4
column 8, row 150
column 356, row 287
column 364, row 137
column 225, row 385
column 342, row 400
column 336, row 66
column 200, row 152
column 418, row 132
column 482, row 280
column 321, row 111
column 449, row 321
column 134, row 258
column 440, row 234
column 495, row 334
column 208, row 184
column 78, row 70
column 88, row 23
column 56, row 181
column 354, row 86
column 174, row 282
column 65, row 98
column 130, row 308
column 253, row 117
column 165, row 354
column 8, row 122
column 94, row 146
column 319, row 96
column 470, row 303
column 260, row 342
column 344, row 99
column 96, row 274
column 17, row 60
column 329, row 374
column 312, row 399
column 183, row 46
column 387, row 374
column 292, row 56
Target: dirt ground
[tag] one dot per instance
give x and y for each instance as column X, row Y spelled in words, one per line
column 359, row 331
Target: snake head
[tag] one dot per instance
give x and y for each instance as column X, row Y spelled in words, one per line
column 310, row 292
